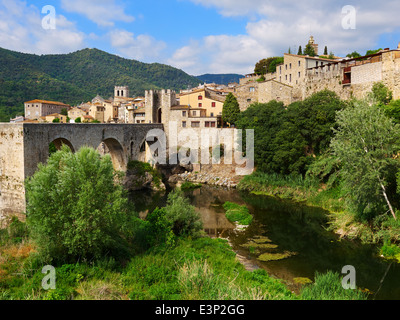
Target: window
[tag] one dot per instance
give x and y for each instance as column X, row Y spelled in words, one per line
column 290, row 66
column 194, row 113
column 183, row 113
column 195, row 124
column 212, row 114
column 299, row 74
column 200, row 97
column 252, row 89
column 213, row 104
column 184, row 124
column 200, row 105
column 286, row 77
column 248, row 100
column 207, row 124
column 280, row 69
column 285, row 66
column 299, row 63
column 213, row 124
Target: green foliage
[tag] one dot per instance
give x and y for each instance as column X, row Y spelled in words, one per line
column 230, row 109
column 78, row 120
column 325, row 51
column 354, row 54
column 159, row 228
column 366, row 143
column 238, row 213
column 56, row 120
column 328, row 286
column 381, row 93
column 309, row 50
column 369, row 52
column 186, row 221
column 390, row 251
column 140, row 168
column 187, row 185
column 64, row 111
column 300, row 52
column 392, row 110
column 267, row 65
column 75, row 209
column 287, row 139
column 78, row 76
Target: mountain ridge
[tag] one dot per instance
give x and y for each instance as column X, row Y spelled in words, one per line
column 78, row 76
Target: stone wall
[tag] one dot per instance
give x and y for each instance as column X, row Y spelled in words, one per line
column 24, row 146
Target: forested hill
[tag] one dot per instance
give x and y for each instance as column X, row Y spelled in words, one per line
column 79, row 76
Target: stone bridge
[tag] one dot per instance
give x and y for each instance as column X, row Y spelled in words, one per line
column 24, row 145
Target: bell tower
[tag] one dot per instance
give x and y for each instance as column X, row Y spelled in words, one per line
column 121, row 92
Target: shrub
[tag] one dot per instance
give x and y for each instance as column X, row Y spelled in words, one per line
column 237, row 213
column 75, row 209
column 184, row 217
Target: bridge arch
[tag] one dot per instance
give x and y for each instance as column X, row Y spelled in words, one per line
column 114, row 148
column 58, row 142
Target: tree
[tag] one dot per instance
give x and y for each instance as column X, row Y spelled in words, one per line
column 309, row 50
column 366, row 143
column 381, row 93
column 230, row 109
column 300, row 52
column 326, row 51
column 78, row 120
column 267, row 65
column 56, row 120
column 64, row 111
column 354, row 54
column 369, row 52
column 76, row 209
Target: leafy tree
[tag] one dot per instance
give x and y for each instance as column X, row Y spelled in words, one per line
column 309, row 50
column 56, row 120
column 325, row 51
column 354, row 54
column 185, row 219
column 76, row 209
column 369, row 52
column 392, row 110
column 267, row 65
column 78, row 120
column 64, row 111
column 366, row 143
column 381, row 93
column 230, row 109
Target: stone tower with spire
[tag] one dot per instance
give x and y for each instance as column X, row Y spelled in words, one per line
column 313, row 44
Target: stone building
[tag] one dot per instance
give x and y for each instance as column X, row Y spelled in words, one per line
column 211, row 101
column 35, row 109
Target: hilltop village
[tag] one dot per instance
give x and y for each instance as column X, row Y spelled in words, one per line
column 298, row 77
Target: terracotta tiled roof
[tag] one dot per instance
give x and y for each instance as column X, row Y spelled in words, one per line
column 47, row 102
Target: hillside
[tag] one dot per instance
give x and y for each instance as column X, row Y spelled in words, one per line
column 220, row 78
column 76, row 77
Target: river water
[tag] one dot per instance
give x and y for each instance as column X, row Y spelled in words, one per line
column 285, row 227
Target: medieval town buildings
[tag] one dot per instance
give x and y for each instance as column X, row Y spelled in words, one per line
column 298, row 77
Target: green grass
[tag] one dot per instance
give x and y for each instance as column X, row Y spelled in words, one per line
column 237, row 213
column 187, row 185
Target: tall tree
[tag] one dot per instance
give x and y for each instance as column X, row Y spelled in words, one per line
column 300, row 52
column 367, row 142
column 230, row 109
column 326, row 51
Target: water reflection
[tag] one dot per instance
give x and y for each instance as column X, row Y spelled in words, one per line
column 291, row 227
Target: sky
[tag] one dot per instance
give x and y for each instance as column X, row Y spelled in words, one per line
column 198, row 36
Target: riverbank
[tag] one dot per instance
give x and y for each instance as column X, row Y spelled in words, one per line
column 333, row 200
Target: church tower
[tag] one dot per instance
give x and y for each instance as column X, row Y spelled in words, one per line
column 121, row 92
column 313, row 44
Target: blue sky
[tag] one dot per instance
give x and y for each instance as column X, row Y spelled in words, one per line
column 198, row 36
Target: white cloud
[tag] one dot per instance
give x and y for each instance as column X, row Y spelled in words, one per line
column 102, row 12
column 142, row 47
column 21, row 30
column 274, row 26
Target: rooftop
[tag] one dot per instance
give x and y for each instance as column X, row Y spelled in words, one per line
column 47, row 102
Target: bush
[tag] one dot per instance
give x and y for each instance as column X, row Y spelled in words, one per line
column 75, row 209
column 237, row 213
column 186, row 221
column 328, row 286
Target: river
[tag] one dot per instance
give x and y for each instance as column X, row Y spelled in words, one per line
column 286, row 227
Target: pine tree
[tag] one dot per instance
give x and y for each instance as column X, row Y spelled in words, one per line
column 326, row 51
